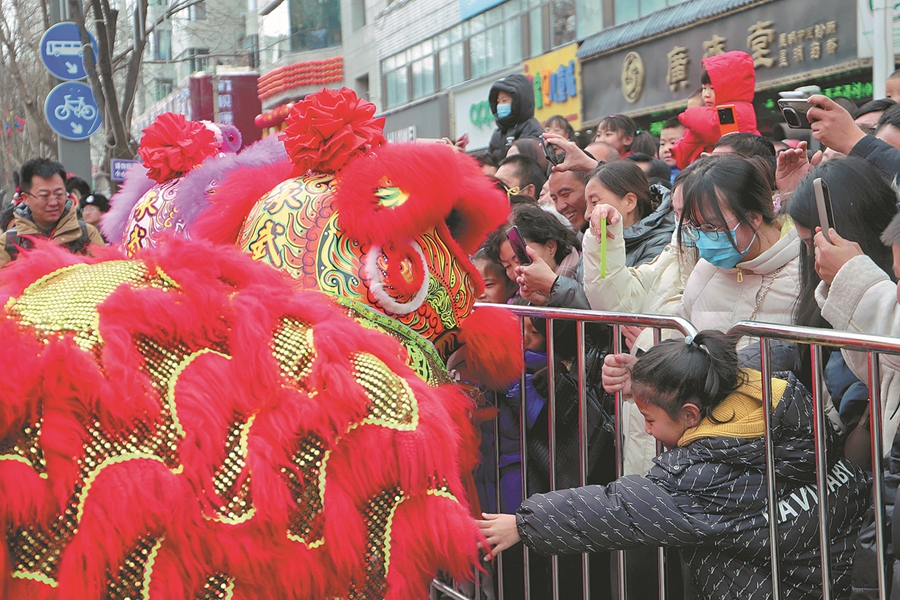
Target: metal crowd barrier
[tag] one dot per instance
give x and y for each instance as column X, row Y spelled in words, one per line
column 873, row 345
column 485, row 582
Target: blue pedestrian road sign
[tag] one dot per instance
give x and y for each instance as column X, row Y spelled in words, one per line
column 72, row 111
column 62, row 53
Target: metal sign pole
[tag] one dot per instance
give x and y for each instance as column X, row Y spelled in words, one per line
column 74, row 155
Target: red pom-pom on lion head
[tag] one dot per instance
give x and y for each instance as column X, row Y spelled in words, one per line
column 172, row 146
column 326, row 129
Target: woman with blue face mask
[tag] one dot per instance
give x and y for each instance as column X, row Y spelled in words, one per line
column 749, row 265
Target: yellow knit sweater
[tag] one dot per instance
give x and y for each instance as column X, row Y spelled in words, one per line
column 741, row 412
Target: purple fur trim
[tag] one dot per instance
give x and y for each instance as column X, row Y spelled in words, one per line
column 136, row 184
column 191, row 197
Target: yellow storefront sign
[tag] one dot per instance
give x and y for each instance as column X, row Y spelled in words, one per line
column 557, row 84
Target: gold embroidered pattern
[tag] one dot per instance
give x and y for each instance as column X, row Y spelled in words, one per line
column 379, row 519
column 391, row 401
column 26, row 447
column 293, row 348
column 217, row 587
column 65, row 301
column 237, row 506
column 306, row 480
column 132, row 578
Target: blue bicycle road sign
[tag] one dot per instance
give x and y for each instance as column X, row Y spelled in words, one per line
column 62, row 53
column 72, row 111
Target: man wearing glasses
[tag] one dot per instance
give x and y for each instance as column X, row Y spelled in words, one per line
column 46, row 212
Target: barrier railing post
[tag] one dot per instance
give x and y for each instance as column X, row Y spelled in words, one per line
column 620, row 460
column 583, row 444
column 771, row 490
column 498, row 558
column 877, row 441
column 523, row 453
column 818, row 394
column 661, row 551
column 551, row 437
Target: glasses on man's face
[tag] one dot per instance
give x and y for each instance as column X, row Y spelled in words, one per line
column 45, row 196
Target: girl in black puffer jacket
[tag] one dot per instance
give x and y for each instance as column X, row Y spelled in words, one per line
column 707, row 493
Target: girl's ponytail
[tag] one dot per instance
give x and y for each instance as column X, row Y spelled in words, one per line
column 701, row 370
column 723, row 376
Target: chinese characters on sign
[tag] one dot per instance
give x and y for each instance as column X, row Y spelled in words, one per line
column 714, row 46
column 761, row 35
column 225, row 101
column 793, row 47
column 678, row 68
column 786, row 41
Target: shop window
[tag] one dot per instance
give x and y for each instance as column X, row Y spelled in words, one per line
column 314, row 24
column 536, row 35
column 478, row 55
column 161, row 88
column 161, row 43
column 629, row 10
column 590, row 18
column 453, row 68
column 484, row 44
column 397, row 87
column 563, row 13
column 358, row 8
column 423, row 77
column 197, row 12
column 512, row 42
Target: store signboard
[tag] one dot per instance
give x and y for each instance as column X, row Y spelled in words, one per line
column 556, row 77
column 786, row 40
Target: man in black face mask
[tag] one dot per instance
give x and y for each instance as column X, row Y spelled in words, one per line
column 512, row 102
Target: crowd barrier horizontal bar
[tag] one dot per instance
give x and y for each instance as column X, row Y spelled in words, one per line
column 872, row 344
column 822, row 337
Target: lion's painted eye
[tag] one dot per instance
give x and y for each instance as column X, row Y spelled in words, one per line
column 398, row 276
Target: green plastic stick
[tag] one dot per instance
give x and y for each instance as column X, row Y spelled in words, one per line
column 602, row 248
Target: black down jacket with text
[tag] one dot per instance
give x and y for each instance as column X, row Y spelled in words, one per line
column 709, row 499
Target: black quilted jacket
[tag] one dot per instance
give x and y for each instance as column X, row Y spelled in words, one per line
column 709, row 499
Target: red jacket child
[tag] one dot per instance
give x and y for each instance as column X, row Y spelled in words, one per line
column 731, row 79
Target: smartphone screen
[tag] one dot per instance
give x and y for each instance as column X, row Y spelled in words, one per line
column 823, row 205
column 518, row 245
column 727, row 119
column 794, row 112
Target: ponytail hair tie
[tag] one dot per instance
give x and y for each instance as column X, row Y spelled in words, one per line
column 690, row 341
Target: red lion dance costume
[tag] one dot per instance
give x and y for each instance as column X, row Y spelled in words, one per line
column 189, row 424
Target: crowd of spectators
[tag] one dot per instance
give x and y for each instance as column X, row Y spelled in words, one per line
column 717, row 229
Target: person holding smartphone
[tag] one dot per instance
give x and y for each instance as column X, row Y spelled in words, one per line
column 832, row 290
column 554, row 276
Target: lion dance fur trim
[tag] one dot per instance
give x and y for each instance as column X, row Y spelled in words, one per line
column 188, row 425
